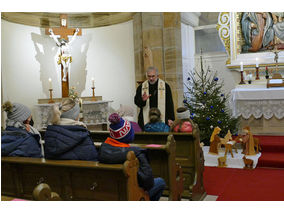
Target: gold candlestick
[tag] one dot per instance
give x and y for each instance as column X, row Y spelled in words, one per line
column 93, row 97
column 50, row 101
column 257, row 73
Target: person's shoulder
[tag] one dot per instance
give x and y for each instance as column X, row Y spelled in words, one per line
column 167, row 85
column 14, row 131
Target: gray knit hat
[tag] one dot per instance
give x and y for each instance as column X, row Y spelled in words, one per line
column 18, row 112
column 73, row 113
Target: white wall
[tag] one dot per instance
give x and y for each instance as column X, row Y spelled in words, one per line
column 188, row 51
column 217, row 62
column 29, row 58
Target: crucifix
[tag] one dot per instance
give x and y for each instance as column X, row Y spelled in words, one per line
column 64, row 58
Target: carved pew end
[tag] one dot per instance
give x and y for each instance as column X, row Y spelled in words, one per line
column 42, row 192
column 131, row 166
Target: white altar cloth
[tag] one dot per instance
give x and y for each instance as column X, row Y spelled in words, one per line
column 94, row 113
column 257, row 100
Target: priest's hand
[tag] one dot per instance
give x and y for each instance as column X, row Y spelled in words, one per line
column 145, row 96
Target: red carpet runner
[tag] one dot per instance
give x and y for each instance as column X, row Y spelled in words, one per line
column 260, row 184
column 272, row 153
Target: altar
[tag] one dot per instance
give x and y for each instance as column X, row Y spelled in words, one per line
column 93, row 113
column 259, row 107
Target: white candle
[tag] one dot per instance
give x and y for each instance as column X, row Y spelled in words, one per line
column 256, row 63
column 50, row 83
column 93, row 82
column 242, row 66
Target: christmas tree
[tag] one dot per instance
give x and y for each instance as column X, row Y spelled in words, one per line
column 207, row 103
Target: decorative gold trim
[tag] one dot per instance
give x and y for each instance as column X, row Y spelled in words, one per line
column 223, row 27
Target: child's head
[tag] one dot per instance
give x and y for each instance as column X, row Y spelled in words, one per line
column 183, row 113
column 67, row 109
column 154, row 115
column 17, row 112
column 183, row 123
column 120, row 129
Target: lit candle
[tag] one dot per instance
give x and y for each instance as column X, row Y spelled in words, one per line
column 256, row 62
column 50, row 83
column 93, row 82
column 242, row 66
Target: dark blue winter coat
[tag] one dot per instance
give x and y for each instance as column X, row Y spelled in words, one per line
column 112, row 155
column 156, row 127
column 19, row 142
column 69, row 143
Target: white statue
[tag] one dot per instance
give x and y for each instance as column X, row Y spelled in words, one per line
column 65, row 57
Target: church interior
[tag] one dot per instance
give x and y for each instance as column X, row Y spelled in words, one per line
column 225, row 68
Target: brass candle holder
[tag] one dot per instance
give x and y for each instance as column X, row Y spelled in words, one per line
column 50, row 101
column 242, row 78
column 93, row 97
column 257, row 73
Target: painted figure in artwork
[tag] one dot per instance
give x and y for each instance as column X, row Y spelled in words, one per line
column 214, row 141
column 64, row 57
column 278, row 27
column 262, row 31
column 257, row 29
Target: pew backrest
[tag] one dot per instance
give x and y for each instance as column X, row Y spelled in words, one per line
column 72, row 179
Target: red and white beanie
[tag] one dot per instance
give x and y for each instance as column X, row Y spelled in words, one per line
column 120, row 129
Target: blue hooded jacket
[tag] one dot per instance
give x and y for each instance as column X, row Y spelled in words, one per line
column 111, row 155
column 69, row 143
column 156, row 127
column 19, row 142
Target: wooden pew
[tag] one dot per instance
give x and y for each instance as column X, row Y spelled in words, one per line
column 188, row 154
column 72, row 179
column 163, row 164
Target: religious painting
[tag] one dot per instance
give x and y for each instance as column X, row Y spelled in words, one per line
column 252, row 39
column 262, row 31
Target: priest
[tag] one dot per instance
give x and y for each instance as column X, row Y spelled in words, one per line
column 154, row 92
